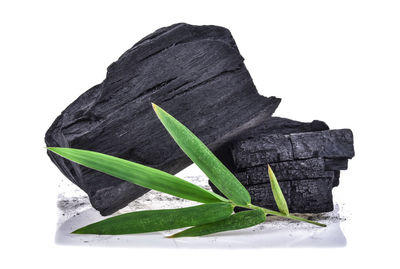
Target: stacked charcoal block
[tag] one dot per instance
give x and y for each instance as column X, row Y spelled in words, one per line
column 306, row 158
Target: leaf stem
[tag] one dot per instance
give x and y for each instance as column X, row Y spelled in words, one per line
column 279, row 214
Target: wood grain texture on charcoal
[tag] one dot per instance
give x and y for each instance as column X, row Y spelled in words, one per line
column 196, row 73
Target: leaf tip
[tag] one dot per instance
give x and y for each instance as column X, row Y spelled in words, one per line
column 175, row 235
column 56, row 150
column 85, row 230
column 156, row 108
column 270, row 173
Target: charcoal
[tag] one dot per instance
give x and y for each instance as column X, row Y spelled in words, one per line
column 196, row 73
column 302, row 196
column 282, row 126
column 303, row 182
column 336, row 145
column 305, row 157
column 336, row 177
column 329, row 144
column 336, row 164
column 253, row 152
column 267, row 142
column 285, row 171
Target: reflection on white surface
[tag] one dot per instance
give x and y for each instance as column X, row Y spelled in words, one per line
column 75, row 212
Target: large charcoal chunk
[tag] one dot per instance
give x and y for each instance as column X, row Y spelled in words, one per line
column 329, row 144
column 196, row 73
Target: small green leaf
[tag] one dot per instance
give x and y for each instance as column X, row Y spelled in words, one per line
column 222, row 178
column 277, row 192
column 159, row 220
column 236, row 221
column 138, row 174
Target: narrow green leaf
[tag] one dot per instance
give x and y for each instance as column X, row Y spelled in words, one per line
column 222, row 178
column 277, row 192
column 236, row 221
column 159, row 220
column 305, row 220
column 138, row 174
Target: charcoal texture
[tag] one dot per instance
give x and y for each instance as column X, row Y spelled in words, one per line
column 336, row 177
column 271, row 148
column 336, row 164
column 305, row 157
column 315, row 195
column 285, row 171
column 281, row 126
column 196, row 73
column 263, row 149
column 253, row 147
column 302, row 196
column 330, row 144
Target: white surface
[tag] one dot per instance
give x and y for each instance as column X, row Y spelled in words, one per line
column 76, row 212
column 338, row 61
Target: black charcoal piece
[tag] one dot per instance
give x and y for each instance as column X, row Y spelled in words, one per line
column 285, row 171
column 336, row 164
column 265, row 149
column 336, row 177
column 196, row 73
column 305, row 157
column 302, row 196
column 329, row 144
column 336, row 145
column 267, row 142
column 283, row 126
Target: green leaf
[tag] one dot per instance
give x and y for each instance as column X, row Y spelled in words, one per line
column 159, row 220
column 277, row 192
column 138, row 174
column 236, row 221
column 222, row 178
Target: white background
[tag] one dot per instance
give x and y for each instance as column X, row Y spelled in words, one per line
column 337, row 61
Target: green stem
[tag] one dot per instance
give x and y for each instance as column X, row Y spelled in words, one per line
column 276, row 213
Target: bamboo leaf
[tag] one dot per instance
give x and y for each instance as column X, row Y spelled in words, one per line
column 222, row 178
column 236, row 221
column 277, row 192
column 138, row 174
column 159, row 220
